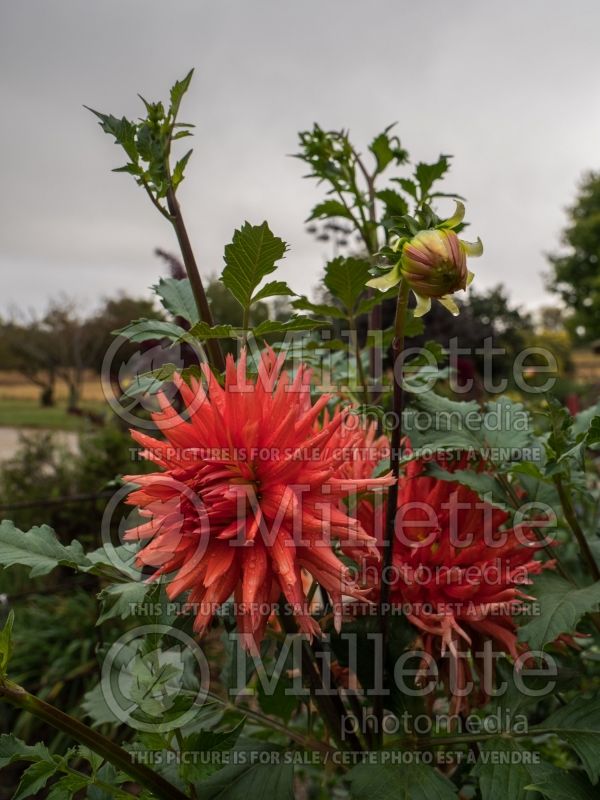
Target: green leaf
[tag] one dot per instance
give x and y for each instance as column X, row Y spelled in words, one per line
column 122, row 130
column 346, row 279
column 328, row 209
column 250, row 779
column 482, row 483
column 13, row 749
column 498, row 776
column 177, row 297
column 405, row 782
column 409, row 186
column 67, row 786
column 95, row 707
column 143, row 330
column 294, row 323
column 6, row 642
column 179, row 169
column 428, row 174
column 202, row 330
column 273, row 289
column 251, row 256
column 35, row 778
column 324, row 309
column 559, row 784
column 120, row 600
column 578, row 724
column 178, row 90
column 561, row 606
column 204, row 742
column 369, row 303
column 395, row 204
column 39, row 549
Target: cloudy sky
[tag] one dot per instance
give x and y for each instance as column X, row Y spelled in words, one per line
column 511, row 89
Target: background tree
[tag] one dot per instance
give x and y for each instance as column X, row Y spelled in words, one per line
column 575, row 273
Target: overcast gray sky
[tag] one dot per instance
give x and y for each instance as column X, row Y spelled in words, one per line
column 510, row 89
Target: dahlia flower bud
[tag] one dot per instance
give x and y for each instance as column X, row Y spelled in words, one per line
column 434, row 264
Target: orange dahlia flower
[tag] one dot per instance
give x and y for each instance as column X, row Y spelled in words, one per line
column 248, row 495
column 456, row 574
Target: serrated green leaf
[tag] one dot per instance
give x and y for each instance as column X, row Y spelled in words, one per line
column 561, row 607
column 177, row 92
column 395, row 204
column 328, row 209
column 498, row 778
column 179, row 169
column 428, row 174
column 202, row 330
column 143, row 330
column 273, row 289
column 251, row 256
column 346, row 279
column 368, row 303
column 324, row 309
column 482, row 483
column 123, row 131
column 409, row 186
column 402, row 782
column 120, row 600
column 38, row 549
column 13, row 749
column 177, row 297
column 559, row 784
column 578, row 724
column 66, row 787
column 295, row 323
column 35, row 778
column 251, row 779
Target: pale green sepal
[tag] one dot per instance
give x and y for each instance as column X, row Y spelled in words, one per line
column 423, row 305
column 457, row 217
column 472, row 249
column 449, row 303
column 385, row 282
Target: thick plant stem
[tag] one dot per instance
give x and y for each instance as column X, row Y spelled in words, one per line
column 189, row 260
column 330, row 706
column 573, row 522
column 119, row 758
column 392, row 498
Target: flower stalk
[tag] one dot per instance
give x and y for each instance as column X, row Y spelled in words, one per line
column 117, row 756
column 392, row 496
column 213, row 346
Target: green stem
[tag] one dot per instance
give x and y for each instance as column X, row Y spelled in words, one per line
column 189, row 260
column 392, row 498
column 20, row 697
column 359, row 365
column 307, row 742
column 573, row 522
column 330, row 706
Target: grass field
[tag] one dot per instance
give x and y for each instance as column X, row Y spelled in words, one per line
column 20, row 406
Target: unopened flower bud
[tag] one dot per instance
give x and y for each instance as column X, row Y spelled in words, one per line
column 434, row 263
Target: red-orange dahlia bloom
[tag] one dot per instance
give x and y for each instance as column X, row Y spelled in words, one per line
column 249, row 494
column 456, row 574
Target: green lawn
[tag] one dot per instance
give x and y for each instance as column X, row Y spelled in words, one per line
column 25, row 413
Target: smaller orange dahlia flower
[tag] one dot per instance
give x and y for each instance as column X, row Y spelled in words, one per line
column 456, row 574
column 248, row 495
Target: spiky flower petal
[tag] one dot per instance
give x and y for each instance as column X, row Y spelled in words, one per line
column 248, row 495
